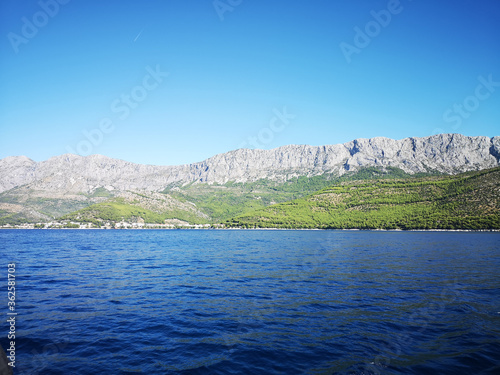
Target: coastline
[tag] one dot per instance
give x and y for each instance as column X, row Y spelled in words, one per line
column 266, row 229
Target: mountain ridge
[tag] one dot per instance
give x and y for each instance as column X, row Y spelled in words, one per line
column 69, row 173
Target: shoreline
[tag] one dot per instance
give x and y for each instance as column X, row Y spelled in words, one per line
column 277, row 229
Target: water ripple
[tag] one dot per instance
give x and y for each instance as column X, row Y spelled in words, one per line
column 263, row 302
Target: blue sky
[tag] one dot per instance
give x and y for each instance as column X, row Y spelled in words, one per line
column 177, row 81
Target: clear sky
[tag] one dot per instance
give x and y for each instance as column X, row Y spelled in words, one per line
column 177, row 81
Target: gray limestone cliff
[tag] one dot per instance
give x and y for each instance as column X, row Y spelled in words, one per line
column 447, row 153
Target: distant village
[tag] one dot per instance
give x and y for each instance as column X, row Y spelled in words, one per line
column 169, row 224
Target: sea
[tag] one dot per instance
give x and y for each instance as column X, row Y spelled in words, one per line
column 251, row 301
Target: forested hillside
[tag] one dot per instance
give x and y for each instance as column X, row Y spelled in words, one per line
column 467, row 201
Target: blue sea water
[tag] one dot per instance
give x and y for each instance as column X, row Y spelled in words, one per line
column 253, row 302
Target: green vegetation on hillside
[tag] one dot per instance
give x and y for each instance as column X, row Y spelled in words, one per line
column 117, row 210
column 23, row 205
column 14, row 218
column 466, row 201
column 223, row 202
column 113, row 211
column 370, row 198
column 218, row 202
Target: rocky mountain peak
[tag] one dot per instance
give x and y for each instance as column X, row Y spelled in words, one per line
column 447, row 153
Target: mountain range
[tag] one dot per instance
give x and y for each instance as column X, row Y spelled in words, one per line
column 251, row 178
